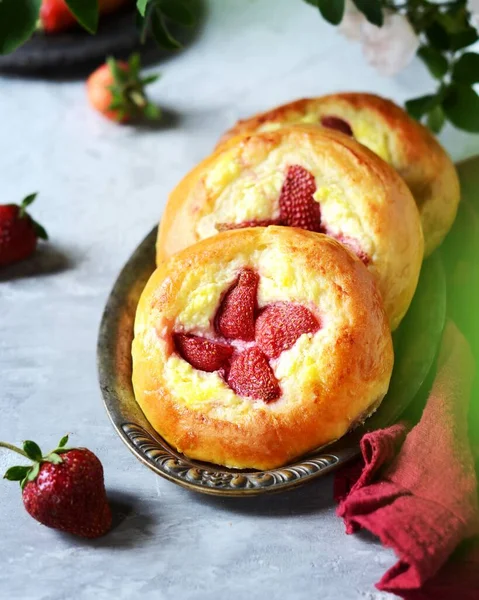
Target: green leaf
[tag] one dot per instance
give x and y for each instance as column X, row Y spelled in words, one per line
column 178, row 12
column 143, row 23
column 63, row 442
column 54, row 458
column 151, row 111
column 119, row 75
column 116, row 104
column 435, row 61
column 313, row 2
column 461, row 105
column 18, row 20
column 31, row 475
column 466, row 69
column 40, row 230
column 32, row 450
column 29, row 199
column 332, row 10
column 149, row 79
column 416, row 342
column 86, row 13
column 464, row 39
column 134, row 64
column 16, row 473
column 452, row 21
column 161, row 34
column 418, row 107
column 141, row 6
column 26, row 203
column 438, row 36
column 372, row 10
column 436, row 119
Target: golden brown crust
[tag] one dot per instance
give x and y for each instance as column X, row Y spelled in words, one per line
column 409, row 147
column 354, row 367
column 380, row 204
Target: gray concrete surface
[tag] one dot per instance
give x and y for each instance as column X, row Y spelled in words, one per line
column 101, row 188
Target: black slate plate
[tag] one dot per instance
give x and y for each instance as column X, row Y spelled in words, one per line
column 416, row 343
column 65, row 54
column 117, row 34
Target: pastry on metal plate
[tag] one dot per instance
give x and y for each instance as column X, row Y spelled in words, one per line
column 258, row 345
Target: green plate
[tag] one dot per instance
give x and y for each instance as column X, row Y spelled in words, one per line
column 416, row 343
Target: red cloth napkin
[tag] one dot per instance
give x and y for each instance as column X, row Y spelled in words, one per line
column 416, row 489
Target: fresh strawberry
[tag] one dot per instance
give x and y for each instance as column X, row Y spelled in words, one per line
column 280, row 325
column 117, row 91
column 244, row 224
column 55, row 16
column 297, row 206
column 235, row 317
column 331, row 122
column 201, row 353
column 64, row 489
column 18, row 232
column 250, row 375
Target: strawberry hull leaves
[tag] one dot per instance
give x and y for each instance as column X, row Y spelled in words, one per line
column 32, row 451
column 117, row 90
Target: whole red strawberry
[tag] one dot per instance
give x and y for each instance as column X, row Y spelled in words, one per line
column 18, row 232
column 64, row 489
column 117, row 91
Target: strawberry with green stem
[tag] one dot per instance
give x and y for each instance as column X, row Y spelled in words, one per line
column 19, row 233
column 117, row 91
column 64, row 489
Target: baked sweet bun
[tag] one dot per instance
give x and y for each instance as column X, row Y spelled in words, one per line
column 258, row 345
column 311, row 178
column 390, row 132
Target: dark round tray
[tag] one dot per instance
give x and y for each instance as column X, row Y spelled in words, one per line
column 76, row 52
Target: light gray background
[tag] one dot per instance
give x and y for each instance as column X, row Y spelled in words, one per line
column 102, row 187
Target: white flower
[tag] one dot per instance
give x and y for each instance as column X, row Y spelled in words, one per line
column 473, row 8
column 392, row 47
column 389, row 48
column 352, row 22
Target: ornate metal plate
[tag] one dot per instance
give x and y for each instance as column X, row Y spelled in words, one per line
column 415, row 342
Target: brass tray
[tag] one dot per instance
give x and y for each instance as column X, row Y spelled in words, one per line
column 416, row 343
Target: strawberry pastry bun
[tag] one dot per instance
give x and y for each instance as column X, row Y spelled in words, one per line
column 311, row 178
column 392, row 134
column 258, row 345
